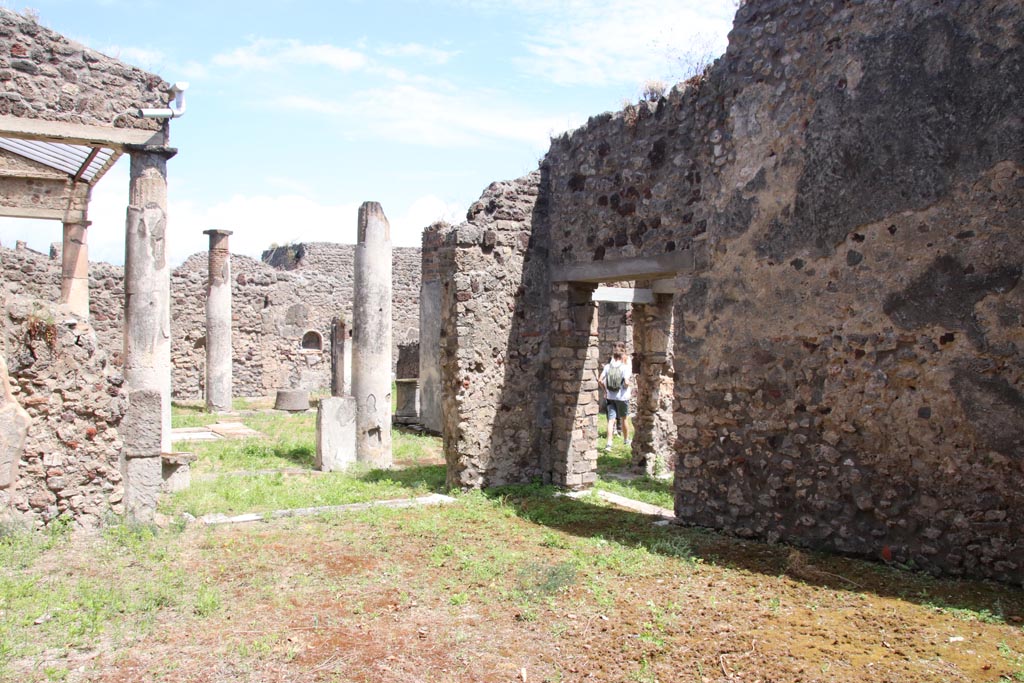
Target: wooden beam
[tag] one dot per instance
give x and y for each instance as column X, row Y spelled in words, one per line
column 636, row 268
column 624, row 295
column 78, row 133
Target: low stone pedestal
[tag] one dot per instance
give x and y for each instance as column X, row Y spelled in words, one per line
column 292, row 400
column 335, row 434
column 408, row 400
column 176, row 470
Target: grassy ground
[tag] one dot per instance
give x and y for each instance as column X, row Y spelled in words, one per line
column 520, row 584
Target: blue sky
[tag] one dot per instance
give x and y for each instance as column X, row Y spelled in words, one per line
column 298, row 111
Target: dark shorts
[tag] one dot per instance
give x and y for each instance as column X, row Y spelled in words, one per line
column 617, row 409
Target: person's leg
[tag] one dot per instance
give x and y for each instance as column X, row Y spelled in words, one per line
column 625, row 425
column 612, row 421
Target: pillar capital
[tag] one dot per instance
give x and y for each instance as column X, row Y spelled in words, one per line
column 219, row 233
column 160, row 150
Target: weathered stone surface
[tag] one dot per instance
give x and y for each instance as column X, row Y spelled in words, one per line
column 143, row 482
column 372, row 347
column 335, row 434
column 14, row 422
column 140, row 428
column 74, row 401
column 847, row 365
column 292, row 400
column 104, row 88
column 272, row 309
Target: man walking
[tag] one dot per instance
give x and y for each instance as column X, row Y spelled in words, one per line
column 615, row 381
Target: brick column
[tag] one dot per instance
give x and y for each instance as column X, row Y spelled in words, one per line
column 575, row 367
column 74, row 283
column 653, row 443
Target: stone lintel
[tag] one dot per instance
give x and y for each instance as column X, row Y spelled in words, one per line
column 624, row 295
column 78, row 133
column 633, row 268
column 665, row 286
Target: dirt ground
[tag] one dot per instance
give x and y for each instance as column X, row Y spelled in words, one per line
column 536, row 588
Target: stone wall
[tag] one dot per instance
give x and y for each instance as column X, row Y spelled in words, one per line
column 273, row 310
column 69, row 464
column 494, row 340
column 43, row 75
column 846, row 348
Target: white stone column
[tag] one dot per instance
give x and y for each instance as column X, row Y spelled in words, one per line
column 147, row 330
column 371, row 337
column 218, row 323
column 74, row 283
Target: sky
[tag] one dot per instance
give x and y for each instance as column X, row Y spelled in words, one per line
column 298, row 111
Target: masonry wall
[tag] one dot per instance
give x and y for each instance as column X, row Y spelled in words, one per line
column 43, row 75
column 848, row 369
column 846, row 353
column 73, row 402
column 272, row 310
column 494, row 330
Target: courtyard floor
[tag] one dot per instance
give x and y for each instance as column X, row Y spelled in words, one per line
column 519, row 584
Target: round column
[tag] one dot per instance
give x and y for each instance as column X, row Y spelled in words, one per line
column 371, row 337
column 218, row 323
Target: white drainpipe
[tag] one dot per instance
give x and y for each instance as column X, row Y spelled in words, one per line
column 174, row 109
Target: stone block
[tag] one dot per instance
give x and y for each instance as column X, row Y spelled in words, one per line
column 407, row 399
column 176, row 471
column 14, row 423
column 292, row 400
column 335, row 434
column 143, row 480
column 141, row 427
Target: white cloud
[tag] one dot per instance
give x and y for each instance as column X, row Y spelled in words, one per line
column 433, row 118
column 419, row 52
column 262, row 54
column 142, row 57
column 606, row 42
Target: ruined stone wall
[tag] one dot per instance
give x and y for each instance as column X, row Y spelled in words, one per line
column 848, row 368
column 58, row 374
column 43, row 75
column 494, row 340
column 335, row 261
column 272, row 310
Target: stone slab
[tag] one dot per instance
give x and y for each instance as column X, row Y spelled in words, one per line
column 141, row 427
column 335, row 434
column 432, row 499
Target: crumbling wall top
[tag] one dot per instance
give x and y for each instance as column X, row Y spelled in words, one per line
column 43, row 75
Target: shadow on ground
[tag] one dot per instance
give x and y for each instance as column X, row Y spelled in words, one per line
column 593, row 519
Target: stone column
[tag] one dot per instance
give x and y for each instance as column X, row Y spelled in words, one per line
column 218, row 323
column 371, row 337
column 575, row 367
column 654, row 430
column 74, row 284
column 147, row 330
column 339, row 344
column 430, row 328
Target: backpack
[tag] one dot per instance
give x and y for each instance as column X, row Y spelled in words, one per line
column 614, row 377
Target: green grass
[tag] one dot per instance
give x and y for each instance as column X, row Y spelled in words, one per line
column 277, row 491
column 42, row 609
column 259, row 474
column 619, row 460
